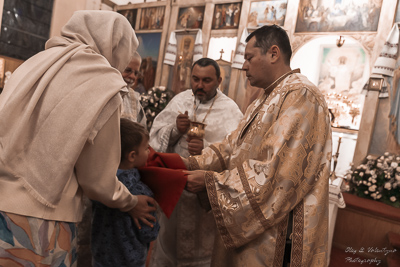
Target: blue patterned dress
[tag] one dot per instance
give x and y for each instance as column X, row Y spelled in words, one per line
column 116, row 241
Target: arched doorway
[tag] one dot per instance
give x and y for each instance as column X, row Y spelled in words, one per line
column 340, row 73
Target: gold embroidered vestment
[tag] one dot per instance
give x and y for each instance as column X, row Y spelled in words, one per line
column 277, row 161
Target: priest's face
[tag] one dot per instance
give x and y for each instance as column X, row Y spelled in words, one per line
column 257, row 65
column 204, row 82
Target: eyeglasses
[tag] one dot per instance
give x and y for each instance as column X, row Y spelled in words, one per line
column 130, row 71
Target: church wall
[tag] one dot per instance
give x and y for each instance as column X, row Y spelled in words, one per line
column 371, row 139
column 62, row 12
column 374, row 129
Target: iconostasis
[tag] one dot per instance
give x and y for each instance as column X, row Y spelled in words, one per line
column 217, row 29
column 222, row 24
column 340, row 72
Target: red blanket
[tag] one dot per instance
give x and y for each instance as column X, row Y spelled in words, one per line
column 163, row 174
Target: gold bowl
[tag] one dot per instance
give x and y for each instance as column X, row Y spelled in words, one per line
column 196, row 130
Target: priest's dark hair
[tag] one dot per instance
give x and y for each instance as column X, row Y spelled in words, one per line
column 205, row 61
column 270, row 35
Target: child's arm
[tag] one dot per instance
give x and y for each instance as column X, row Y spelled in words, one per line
column 95, row 172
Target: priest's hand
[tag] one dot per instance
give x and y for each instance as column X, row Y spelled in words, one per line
column 186, row 162
column 195, row 181
column 195, row 146
column 142, row 210
column 183, row 122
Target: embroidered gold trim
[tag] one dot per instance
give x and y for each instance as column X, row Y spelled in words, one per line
column 193, row 164
column 298, row 230
column 252, row 199
column 219, row 155
column 270, row 88
column 280, row 242
column 219, row 218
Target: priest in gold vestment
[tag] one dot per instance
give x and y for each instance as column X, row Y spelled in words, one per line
column 267, row 181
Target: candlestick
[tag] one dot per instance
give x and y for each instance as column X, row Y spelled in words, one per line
column 335, row 158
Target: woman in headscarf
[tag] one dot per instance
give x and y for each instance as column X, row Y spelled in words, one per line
column 59, row 139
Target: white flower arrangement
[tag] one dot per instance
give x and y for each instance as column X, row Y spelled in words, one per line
column 377, row 179
column 154, row 101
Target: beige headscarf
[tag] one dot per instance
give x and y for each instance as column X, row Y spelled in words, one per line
column 58, row 100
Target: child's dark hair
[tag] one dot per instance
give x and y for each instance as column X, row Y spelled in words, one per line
column 132, row 135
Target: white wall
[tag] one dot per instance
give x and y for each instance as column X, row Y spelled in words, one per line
column 308, row 57
column 63, row 10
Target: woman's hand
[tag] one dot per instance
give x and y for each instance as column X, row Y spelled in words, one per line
column 142, row 211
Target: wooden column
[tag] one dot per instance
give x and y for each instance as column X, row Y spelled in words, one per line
column 235, row 73
column 163, row 47
column 367, row 125
column 371, row 103
column 166, row 69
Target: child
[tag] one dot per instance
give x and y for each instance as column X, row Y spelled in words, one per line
column 116, row 241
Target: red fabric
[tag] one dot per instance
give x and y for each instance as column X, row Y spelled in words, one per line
column 163, row 174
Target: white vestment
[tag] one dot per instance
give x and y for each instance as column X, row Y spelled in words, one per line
column 187, row 237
